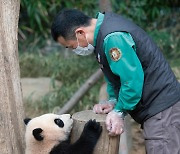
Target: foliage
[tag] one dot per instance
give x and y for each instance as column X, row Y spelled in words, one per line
column 141, row 11
column 168, row 43
column 36, row 15
column 57, row 66
column 71, row 71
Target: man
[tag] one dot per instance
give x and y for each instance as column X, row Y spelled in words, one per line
column 139, row 80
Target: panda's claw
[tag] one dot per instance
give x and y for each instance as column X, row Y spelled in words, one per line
column 94, row 126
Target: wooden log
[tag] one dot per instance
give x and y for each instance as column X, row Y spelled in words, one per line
column 105, row 5
column 81, row 92
column 106, row 144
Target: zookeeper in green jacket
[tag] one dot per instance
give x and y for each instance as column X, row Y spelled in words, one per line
column 140, row 82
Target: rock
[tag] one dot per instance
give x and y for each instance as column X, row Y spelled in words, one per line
column 34, row 89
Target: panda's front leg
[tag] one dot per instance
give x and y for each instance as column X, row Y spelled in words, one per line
column 88, row 139
column 91, row 132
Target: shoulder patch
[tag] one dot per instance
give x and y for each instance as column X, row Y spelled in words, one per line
column 115, row 54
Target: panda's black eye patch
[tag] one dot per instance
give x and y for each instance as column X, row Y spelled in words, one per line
column 59, row 122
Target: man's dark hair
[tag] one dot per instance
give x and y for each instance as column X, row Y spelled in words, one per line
column 67, row 21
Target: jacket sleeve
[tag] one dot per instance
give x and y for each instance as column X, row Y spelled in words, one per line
column 127, row 67
column 110, row 90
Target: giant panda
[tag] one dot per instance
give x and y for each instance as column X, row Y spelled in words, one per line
column 50, row 134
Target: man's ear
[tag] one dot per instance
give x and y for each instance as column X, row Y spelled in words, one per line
column 26, row 121
column 37, row 134
column 80, row 31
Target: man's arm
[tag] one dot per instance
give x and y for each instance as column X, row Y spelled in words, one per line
column 127, row 66
column 110, row 90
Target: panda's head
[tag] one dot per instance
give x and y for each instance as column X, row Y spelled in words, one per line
column 47, row 130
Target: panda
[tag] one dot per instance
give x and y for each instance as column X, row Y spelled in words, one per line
column 50, row 134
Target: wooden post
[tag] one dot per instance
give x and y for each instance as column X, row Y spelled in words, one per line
column 81, row 92
column 106, row 143
column 11, row 105
column 105, row 5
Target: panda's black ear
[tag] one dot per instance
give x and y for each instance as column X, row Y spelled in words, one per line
column 26, row 121
column 37, row 134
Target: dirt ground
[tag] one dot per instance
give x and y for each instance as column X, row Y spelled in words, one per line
column 138, row 146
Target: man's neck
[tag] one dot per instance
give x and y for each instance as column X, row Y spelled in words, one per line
column 90, row 30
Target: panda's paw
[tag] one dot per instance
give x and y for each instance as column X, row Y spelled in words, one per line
column 93, row 129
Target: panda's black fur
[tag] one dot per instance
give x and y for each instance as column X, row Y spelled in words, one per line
column 84, row 145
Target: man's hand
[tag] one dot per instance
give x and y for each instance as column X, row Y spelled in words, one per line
column 115, row 123
column 104, row 107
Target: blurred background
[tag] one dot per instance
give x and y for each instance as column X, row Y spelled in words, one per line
column 50, row 74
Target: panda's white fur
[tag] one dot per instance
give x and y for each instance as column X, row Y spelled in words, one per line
column 52, row 134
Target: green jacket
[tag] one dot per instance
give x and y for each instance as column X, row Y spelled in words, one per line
column 127, row 66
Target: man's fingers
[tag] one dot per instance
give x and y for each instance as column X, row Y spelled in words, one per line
column 97, row 108
column 116, row 132
column 119, row 131
column 114, row 129
column 102, row 108
column 108, row 123
column 94, row 108
column 112, row 132
column 108, row 108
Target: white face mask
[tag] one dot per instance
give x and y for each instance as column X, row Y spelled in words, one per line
column 84, row 51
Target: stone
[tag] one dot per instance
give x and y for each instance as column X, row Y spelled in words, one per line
column 34, row 89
